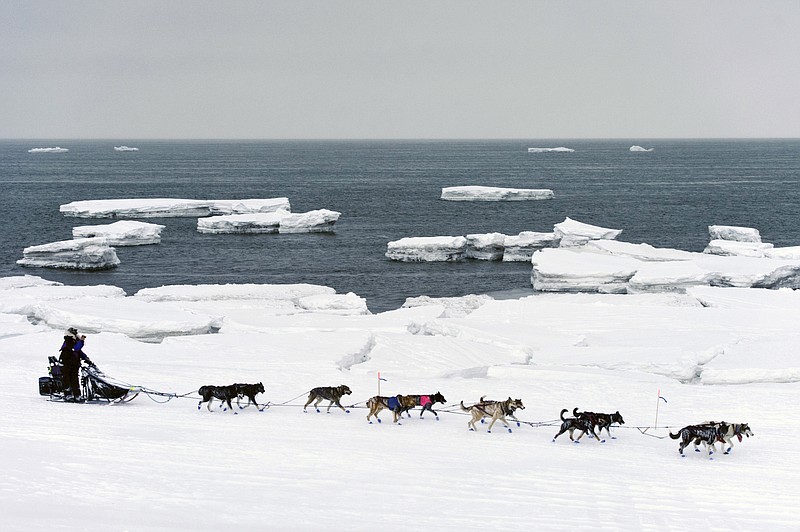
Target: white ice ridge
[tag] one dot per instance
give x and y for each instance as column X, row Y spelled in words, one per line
column 77, row 254
column 618, row 267
column 639, row 148
column 574, row 233
column 544, row 150
column 318, row 221
column 122, row 233
column 169, row 207
column 125, row 148
column 480, row 193
column 495, row 246
column 56, row 149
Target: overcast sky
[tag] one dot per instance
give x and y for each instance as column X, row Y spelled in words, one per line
column 399, row 69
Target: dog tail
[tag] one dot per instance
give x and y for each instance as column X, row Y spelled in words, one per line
column 675, row 436
column 575, row 411
column 562, row 414
column 464, row 408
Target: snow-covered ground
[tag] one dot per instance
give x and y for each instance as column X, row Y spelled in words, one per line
column 713, row 353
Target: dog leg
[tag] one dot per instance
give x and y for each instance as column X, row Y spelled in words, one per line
column 310, row 399
column 198, row 404
column 339, row 404
column 316, row 404
column 208, row 406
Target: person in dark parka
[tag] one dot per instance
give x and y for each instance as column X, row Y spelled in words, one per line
column 72, row 363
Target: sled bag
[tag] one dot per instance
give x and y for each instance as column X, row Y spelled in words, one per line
column 47, row 386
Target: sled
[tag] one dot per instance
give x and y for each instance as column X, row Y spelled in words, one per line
column 96, row 386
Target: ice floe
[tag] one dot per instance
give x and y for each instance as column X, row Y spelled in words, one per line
column 122, row 233
column 520, row 248
column 734, row 233
column 317, row 221
column 572, row 233
column 480, row 193
column 125, row 148
column 427, row 249
column 545, row 150
column 76, row 254
column 266, row 222
column 169, row 207
column 639, row 148
column 56, row 149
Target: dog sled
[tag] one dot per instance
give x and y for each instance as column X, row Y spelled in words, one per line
column 95, row 385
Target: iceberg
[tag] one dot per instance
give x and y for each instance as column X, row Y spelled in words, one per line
column 77, row 254
column 639, row 148
column 485, row 246
column 571, row 233
column 545, row 150
column 266, row 222
column 56, row 149
column 125, row 148
column 734, row 233
column 521, row 247
column 169, row 207
column 318, row 221
column 428, row 249
column 566, row 270
column 122, row 233
column 480, row 193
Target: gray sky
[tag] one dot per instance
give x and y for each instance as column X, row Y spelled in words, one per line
column 399, row 69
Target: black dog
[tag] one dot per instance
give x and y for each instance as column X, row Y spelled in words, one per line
column 706, row 434
column 572, row 424
column 223, row 393
column 333, row 394
column 250, row 391
column 427, row 402
column 599, row 419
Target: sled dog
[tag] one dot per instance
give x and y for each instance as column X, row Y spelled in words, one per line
column 600, row 420
column 707, row 434
column 250, row 391
column 426, row 402
column 494, row 410
column 224, row 393
column 333, row 394
column 734, row 430
column 396, row 404
column 572, row 424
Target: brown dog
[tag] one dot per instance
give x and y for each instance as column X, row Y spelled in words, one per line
column 396, row 404
column 493, row 409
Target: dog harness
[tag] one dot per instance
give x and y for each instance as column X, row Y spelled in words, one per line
column 393, row 403
column 424, row 400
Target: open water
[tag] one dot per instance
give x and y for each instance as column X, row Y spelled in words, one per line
column 387, row 190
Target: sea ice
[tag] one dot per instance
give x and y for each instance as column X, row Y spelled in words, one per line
column 428, row 249
column 572, row 233
column 544, row 150
column 739, row 248
column 122, row 233
column 76, row 254
column 266, row 222
column 731, row 232
column 56, row 149
column 520, row 248
column 318, row 221
column 479, row 193
column 125, row 148
column 169, row 207
column 485, row 246
column 639, row 148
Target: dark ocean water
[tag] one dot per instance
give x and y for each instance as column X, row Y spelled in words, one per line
column 387, row 190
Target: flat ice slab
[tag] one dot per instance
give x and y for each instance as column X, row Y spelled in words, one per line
column 428, row 249
column 734, row 247
column 318, row 221
column 521, row 247
column 169, row 207
column 261, row 222
column 639, row 148
column 122, row 233
column 735, row 233
column 76, row 254
column 56, row 149
column 480, row 193
column 545, row 150
column 125, row 148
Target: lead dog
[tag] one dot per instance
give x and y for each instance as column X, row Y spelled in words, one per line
column 427, row 402
column 224, row 393
column 250, row 391
column 734, row 430
column 601, row 420
column 396, row 404
column 707, row 434
column 572, row 424
column 333, row 394
column 493, row 409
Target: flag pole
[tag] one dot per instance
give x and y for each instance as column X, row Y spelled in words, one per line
column 658, row 398
column 379, row 383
